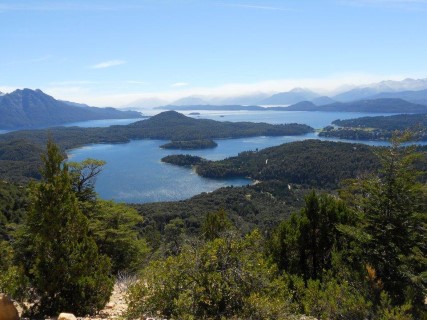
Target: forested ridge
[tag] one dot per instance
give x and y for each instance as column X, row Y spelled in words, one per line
column 378, row 128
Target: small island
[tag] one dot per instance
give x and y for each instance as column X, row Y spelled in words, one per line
column 183, row 160
column 190, row 144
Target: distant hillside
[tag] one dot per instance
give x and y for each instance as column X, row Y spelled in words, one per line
column 355, row 94
column 300, row 106
column 396, row 122
column 210, row 107
column 375, row 105
column 323, row 100
column 286, row 98
column 419, row 97
column 32, row 108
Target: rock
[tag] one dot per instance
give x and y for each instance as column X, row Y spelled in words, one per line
column 67, row 316
column 7, row 309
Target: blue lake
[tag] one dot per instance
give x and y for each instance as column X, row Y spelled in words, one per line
column 101, row 123
column 134, row 172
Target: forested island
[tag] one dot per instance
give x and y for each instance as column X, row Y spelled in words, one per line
column 313, row 163
column 378, row 128
column 190, row 144
column 183, row 160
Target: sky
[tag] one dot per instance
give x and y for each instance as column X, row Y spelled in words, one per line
column 110, row 53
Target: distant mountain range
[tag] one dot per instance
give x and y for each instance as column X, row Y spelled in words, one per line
column 32, row 108
column 419, row 97
column 385, row 105
column 412, row 90
column 291, row 97
column 382, row 105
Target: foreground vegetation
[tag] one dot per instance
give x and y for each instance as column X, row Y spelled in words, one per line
column 276, row 251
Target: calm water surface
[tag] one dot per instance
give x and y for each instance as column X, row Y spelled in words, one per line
column 134, row 172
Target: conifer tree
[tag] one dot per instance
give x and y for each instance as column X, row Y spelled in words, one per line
column 66, row 270
column 391, row 232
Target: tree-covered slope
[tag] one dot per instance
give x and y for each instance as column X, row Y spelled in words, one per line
column 378, row 128
column 396, row 122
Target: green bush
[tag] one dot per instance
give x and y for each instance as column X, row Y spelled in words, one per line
column 223, row 278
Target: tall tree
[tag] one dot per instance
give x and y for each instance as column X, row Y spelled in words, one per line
column 391, row 230
column 304, row 243
column 66, row 270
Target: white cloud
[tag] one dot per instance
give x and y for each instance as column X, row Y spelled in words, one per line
column 180, row 84
column 107, row 64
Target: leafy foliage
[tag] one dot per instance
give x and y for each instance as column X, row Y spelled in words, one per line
column 304, row 244
column 13, row 204
column 115, row 230
column 223, row 278
column 83, row 176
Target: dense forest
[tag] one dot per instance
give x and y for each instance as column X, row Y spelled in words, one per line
column 378, row 128
column 273, row 250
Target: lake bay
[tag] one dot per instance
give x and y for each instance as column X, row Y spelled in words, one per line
column 135, row 174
